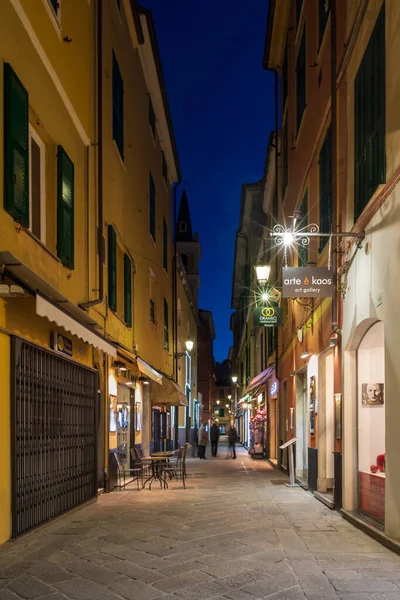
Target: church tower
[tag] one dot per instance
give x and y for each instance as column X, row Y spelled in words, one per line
column 188, row 247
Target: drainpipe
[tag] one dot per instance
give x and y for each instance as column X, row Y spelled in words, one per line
column 100, row 238
column 334, row 154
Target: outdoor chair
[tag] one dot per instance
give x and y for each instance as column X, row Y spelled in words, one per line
column 138, row 462
column 124, row 473
column 177, row 467
column 139, row 450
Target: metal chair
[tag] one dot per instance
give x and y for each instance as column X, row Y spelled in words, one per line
column 124, row 472
column 177, row 468
column 138, row 462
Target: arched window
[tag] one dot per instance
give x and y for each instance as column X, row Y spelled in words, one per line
column 183, row 227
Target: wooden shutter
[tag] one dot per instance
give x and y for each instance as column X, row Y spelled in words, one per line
column 112, row 268
column 65, row 208
column 127, row 290
column 152, row 208
column 370, row 119
column 16, row 147
column 325, row 191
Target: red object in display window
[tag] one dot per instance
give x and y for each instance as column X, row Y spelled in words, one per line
column 380, row 464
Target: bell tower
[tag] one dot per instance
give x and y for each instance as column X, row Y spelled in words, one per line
column 188, row 247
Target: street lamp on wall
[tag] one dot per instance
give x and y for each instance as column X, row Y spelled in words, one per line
column 234, row 379
column 189, row 347
column 262, row 273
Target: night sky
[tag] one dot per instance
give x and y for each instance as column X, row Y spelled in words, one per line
column 221, row 101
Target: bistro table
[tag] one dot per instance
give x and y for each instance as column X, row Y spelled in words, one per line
column 158, row 463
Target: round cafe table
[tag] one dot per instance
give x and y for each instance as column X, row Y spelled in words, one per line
column 158, row 464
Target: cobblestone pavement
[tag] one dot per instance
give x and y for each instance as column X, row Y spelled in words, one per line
column 235, row 533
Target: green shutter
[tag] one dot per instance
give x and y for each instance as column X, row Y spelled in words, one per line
column 166, row 326
column 370, row 119
column 127, row 290
column 325, row 189
column 112, row 268
column 16, row 147
column 65, row 208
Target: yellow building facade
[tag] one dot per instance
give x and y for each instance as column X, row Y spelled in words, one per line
column 86, row 257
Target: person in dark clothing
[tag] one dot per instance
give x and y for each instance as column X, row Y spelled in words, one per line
column 232, row 439
column 214, row 437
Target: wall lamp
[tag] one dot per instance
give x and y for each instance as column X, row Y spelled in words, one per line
column 144, row 380
column 306, row 354
column 189, row 347
column 118, row 364
column 234, row 379
column 262, row 273
column 229, row 397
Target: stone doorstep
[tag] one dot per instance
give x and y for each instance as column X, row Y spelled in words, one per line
column 326, row 499
column 369, row 529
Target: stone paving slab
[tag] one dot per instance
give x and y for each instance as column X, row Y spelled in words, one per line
column 231, row 535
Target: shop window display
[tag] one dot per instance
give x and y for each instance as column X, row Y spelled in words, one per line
column 258, row 432
column 371, row 422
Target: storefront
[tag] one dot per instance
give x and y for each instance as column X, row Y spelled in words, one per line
column 55, row 421
column 371, row 422
column 167, row 400
column 273, row 418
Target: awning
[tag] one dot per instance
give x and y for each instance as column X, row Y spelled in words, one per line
column 149, row 371
column 260, row 379
column 62, row 319
column 167, row 393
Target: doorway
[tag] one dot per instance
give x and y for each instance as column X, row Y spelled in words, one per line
column 273, row 437
column 326, row 423
column 301, row 428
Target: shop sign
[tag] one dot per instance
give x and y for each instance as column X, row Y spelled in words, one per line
column 62, row 344
column 307, row 282
column 268, row 316
column 274, row 388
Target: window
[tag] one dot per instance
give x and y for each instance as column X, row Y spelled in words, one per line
column 184, row 258
column 165, row 245
column 324, row 7
column 118, row 106
column 152, row 311
column 152, row 297
column 370, row 121
column 112, row 268
column 65, row 208
column 285, row 157
column 222, row 412
column 37, row 179
column 302, row 253
column 127, row 290
column 166, row 328
column 152, row 208
column 301, row 80
column 221, row 393
column 325, row 198
column 284, row 81
column 242, row 372
column 183, row 227
column 248, row 360
column 16, row 148
column 164, row 169
column 152, row 118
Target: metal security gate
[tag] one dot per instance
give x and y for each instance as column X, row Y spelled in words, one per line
column 53, row 432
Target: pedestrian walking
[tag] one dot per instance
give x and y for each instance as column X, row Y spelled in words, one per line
column 232, row 439
column 202, row 440
column 214, row 437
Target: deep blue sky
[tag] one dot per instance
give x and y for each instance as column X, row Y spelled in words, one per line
column 221, row 102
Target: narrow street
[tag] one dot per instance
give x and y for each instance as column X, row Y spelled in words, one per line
column 236, row 532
